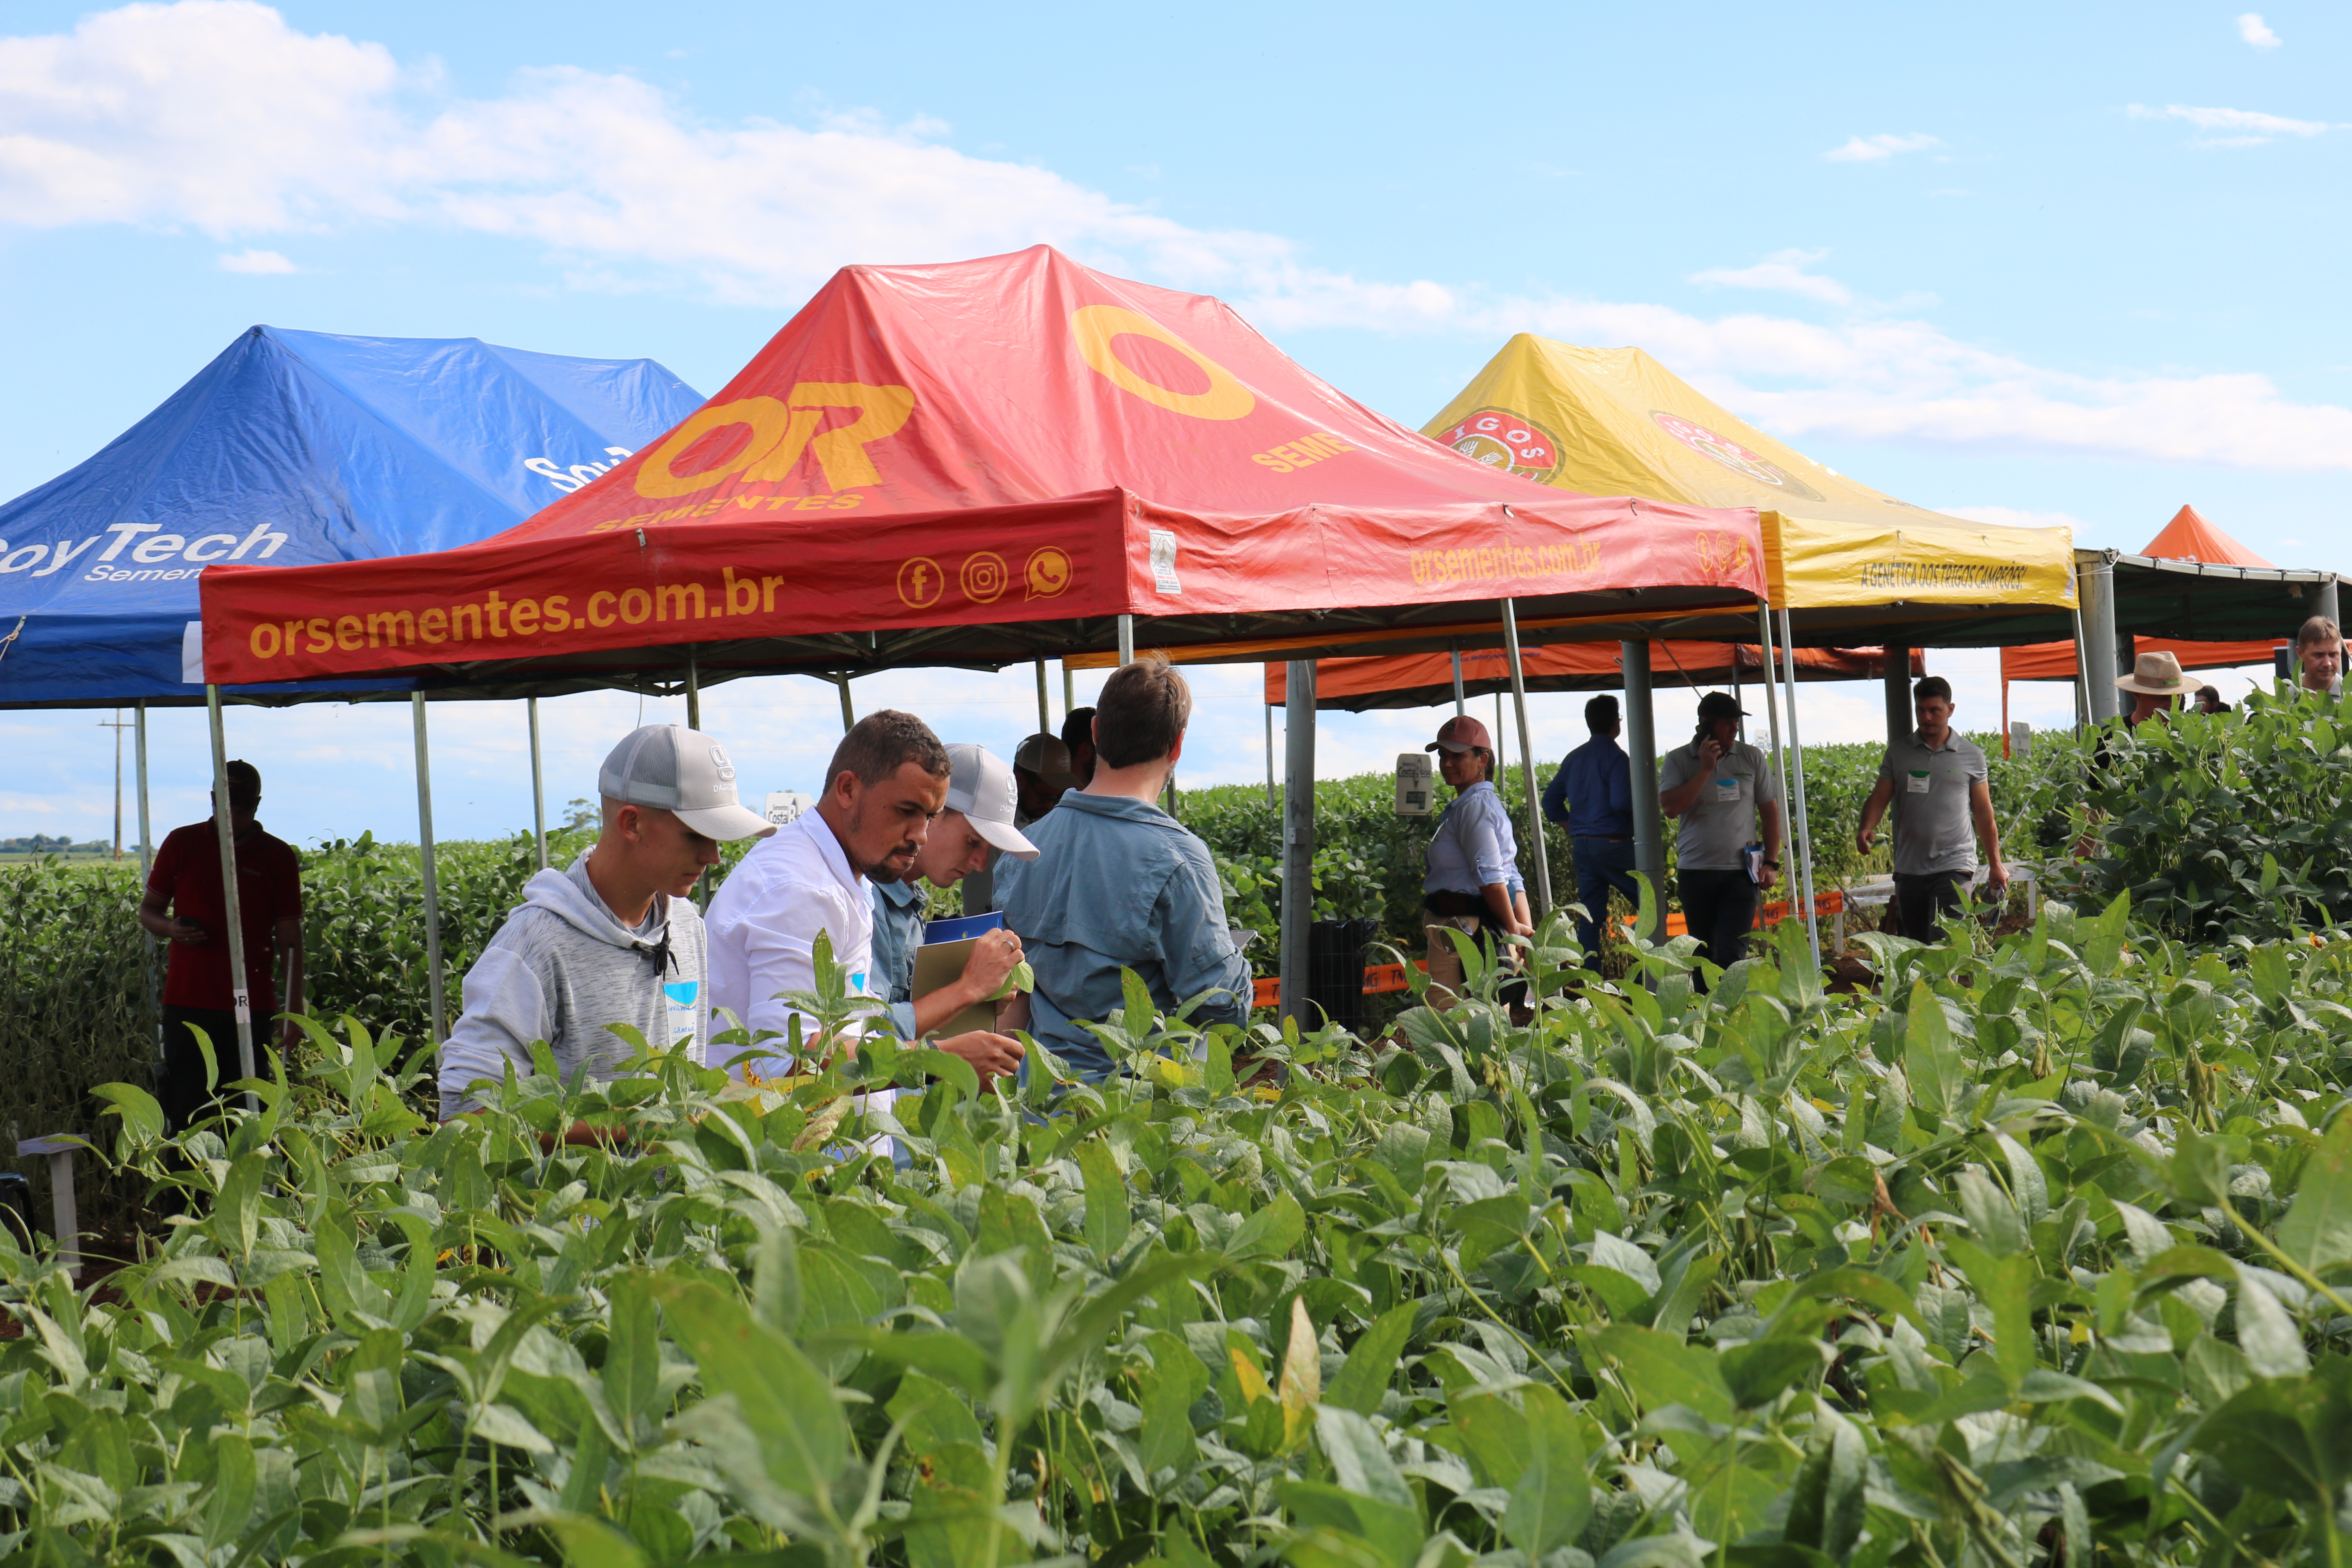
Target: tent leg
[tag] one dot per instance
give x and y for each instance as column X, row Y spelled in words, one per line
column 848, row 714
column 432, row 887
column 146, row 863
column 1779, row 756
column 2322, row 602
column 2082, row 686
column 2098, row 602
column 1642, row 752
column 1297, row 836
column 1735, row 691
column 1044, row 703
column 240, row 992
column 537, row 785
column 1897, row 682
column 1273, row 799
column 1127, row 641
column 693, row 692
column 1069, row 691
column 1459, row 706
column 1527, row 760
column 1804, row 824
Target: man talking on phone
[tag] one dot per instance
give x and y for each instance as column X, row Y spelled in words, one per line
column 1719, row 788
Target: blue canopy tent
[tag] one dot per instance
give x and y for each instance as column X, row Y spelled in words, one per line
column 296, row 447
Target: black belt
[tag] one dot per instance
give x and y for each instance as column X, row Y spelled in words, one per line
column 1606, row 837
column 1453, row 905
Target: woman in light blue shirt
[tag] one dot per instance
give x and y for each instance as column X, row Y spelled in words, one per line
column 1471, row 879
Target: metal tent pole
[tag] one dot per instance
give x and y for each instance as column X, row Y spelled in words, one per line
column 1803, row 824
column 1069, row 689
column 1459, row 706
column 693, row 692
column 239, row 985
column 1896, row 679
column 1127, row 642
column 537, row 785
column 1527, row 760
column 432, row 887
column 2324, row 602
column 1273, row 797
column 1772, row 706
column 1044, row 703
column 1297, row 836
column 848, row 714
column 2098, row 602
column 1642, row 752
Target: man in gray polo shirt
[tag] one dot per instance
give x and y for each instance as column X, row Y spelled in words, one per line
column 1720, row 789
column 1936, row 779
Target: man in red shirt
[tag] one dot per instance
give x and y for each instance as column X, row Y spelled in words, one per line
column 184, row 907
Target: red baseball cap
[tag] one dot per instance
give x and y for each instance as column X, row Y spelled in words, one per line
column 1462, row 733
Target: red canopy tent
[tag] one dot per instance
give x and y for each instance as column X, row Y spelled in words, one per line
column 981, row 463
column 2188, row 537
column 1424, row 679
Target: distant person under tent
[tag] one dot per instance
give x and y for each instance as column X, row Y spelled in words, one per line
column 613, row 940
column 184, row 905
column 1041, row 776
column 1937, row 780
column 2156, row 683
column 2208, row 700
column 978, row 819
column 1121, row 884
column 1078, row 736
column 1727, row 799
column 1470, row 880
column 1591, row 796
column 2319, row 656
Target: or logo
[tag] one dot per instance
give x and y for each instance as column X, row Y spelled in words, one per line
column 1722, row 557
column 920, row 583
column 985, row 577
column 1048, row 571
column 777, row 434
column 719, row 765
column 1502, row 439
column 1098, row 327
column 1730, row 453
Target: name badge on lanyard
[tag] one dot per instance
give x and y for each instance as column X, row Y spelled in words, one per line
column 1916, row 782
column 1727, row 788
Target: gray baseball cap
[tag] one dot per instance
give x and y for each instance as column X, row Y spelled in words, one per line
column 682, row 771
column 981, row 786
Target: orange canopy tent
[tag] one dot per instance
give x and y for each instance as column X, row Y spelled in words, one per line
column 2188, row 537
column 981, row 463
column 1424, row 679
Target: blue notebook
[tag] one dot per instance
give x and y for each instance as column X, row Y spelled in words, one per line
column 961, row 927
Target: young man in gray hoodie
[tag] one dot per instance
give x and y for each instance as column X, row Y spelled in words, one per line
column 614, row 940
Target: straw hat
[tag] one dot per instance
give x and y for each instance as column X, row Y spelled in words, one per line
column 2158, row 674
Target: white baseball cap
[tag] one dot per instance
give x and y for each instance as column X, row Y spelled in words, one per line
column 981, row 786
column 682, row 771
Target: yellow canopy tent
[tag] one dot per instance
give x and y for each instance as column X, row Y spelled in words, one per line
column 1616, row 422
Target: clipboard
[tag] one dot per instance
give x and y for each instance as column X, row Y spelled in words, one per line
column 939, row 963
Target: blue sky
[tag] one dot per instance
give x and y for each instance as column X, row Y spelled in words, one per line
column 2037, row 263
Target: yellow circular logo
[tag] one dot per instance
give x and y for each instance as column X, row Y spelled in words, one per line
column 920, row 583
column 1096, row 326
column 985, row 577
column 1502, row 439
column 1048, row 571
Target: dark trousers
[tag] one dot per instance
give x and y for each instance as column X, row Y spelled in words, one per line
column 181, row 1089
column 1922, row 901
column 1719, row 908
column 1601, row 864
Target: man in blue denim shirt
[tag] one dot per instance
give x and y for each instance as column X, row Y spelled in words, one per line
column 1119, row 883
column 1591, row 796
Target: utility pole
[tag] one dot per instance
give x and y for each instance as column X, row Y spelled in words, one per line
column 117, row 725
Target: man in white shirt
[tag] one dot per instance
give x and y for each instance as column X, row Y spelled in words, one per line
column 887, row 780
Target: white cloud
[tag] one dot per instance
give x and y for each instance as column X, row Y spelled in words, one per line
column 2012, row 516
column 258, row 262
column 2253, row 128
column 1878, row 149
column 216, row 115
column 1783, row 270
column 2255, row 31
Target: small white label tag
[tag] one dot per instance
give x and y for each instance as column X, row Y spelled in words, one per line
column 1727, row 787
column 1916, row 783
column 1163, row 561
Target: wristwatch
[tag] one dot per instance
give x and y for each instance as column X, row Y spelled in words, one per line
column 1774, row 864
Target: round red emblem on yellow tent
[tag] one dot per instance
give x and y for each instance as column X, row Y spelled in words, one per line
column 1502, row 439
column 1731, row 454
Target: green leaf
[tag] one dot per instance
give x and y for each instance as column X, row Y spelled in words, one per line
column 2317, row 1229
column 2272, row 1343
column 786, row 1403
column 1359, row 1460
column 1108, row 1218
column 1661, row 1371
column 1364, row 1376
column 1826, row 1505
column 1273, row 1232
column 1553, row 1497
column 632, row 1353
column 1930, row 1063
column 932, row 1062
